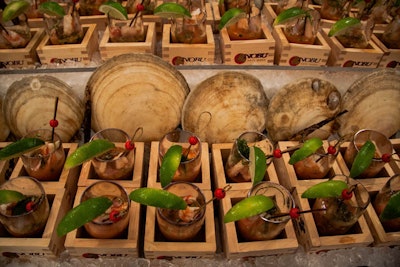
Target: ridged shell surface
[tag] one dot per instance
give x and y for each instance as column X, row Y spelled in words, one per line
column 29, row 105
column 373, row 102
column 137, row 90
column 301, row 104
column 223, row 106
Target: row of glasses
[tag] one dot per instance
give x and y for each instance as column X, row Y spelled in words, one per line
column 261, row 227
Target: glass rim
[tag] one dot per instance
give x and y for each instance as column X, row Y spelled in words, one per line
column 375, row 132
column 250, row 132
column 42, row 196
column 125, row 153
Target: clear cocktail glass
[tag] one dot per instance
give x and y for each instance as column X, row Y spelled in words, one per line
column 248, row 28
column 45, row 163
column 391, row 36
column 335, row 9
column 190, row 30
column 127, row 30
column 64, row 30
column 15, row 36
column 90, row 7
column 340, row 215
column 228, row 4
column 115, row 220
column 237, row 165
column 382, row 145
column 357, row 36
column 183, row 225
column 391, row 187
column 304, row 29
column 22, row 219
column 116, row 164
column 268, row 225
column 190, row 165
column 149, row 5
column 319, row 163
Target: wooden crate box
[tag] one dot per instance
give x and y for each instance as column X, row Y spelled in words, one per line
column 188, row 54
column 68, row 178
column 234, row 245
column 213, row 9
column 381, row 236
column 80, row 244
column 203, row 181
column 220, row 153
column 47, row 244
column 81, row 53
column 381, row 178
column 204, row 245
column 248, row 52
column 391, row 57
column 22, row 57
column 352, row 57
column 269, row 13
column 286, row 172
column 109, row 49
column 88, row 175
column 307, row 232
column 291, row 54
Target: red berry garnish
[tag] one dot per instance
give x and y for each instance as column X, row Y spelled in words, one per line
column 386, row 157
column 53, row 123
column 29, row 206
column 193, row 140
column 75, row 1
column 277, row 153
column 219, row 193
column 346, row 194
column 294, row 213
column 114, row 216
column 129, row 145
column 332, row 150
column 139, row 7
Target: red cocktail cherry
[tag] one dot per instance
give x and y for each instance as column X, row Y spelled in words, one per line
column 29, row 206
column 347, row 194
column 193, row 140
column 114, row 216
column 139, row 7
column 53, row 123
column 219, row 193
column 294, row 213
column 277, row 153
column 129, row 145
column 386, row 157
column 332, row 150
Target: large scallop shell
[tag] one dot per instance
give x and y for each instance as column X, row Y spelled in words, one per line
column 137, row 90
column 29, row 105
column 373, row 102
column 4, row 129
column 223, row 106
column 301, row 104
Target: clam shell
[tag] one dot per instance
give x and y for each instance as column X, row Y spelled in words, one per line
column 4, row 129
column 137, row 90
column 223, row 106
column 29, row 105
column 301, row 104
column 373, row 102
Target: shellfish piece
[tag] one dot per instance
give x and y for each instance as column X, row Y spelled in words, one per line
column 301, row 104
column 136, row 90
column 372, row 103
column 29, row 105
column 223, row 106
